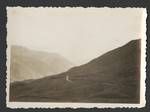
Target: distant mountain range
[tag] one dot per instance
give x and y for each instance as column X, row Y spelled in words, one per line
column 30, row 64
column 111, row 78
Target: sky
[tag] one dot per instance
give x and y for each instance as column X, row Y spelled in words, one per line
column 78, row 34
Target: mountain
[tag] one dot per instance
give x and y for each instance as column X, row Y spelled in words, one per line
column 113, row 77
column 30, row 64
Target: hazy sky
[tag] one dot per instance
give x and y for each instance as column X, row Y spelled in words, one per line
column 78, row 34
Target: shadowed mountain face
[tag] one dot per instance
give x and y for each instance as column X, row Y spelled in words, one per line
column 30, row 64
column 111, row 78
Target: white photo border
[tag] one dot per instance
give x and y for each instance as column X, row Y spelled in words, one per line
column 83, row 105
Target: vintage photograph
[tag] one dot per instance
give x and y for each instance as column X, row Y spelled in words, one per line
column 81, row 57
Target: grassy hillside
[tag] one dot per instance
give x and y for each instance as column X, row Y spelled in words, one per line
column 30, row 64
column 112, row 77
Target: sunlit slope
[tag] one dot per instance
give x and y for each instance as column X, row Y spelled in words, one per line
column 31, row 64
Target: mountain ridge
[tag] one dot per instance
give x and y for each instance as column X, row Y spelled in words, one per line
column 29, row 64
column 111, row 78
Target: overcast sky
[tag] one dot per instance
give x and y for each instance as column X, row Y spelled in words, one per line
column 78, row 34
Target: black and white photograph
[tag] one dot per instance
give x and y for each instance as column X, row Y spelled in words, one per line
column 76, row 57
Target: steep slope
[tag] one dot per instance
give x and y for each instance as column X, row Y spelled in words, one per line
column 112, row 77
column 30, row 64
